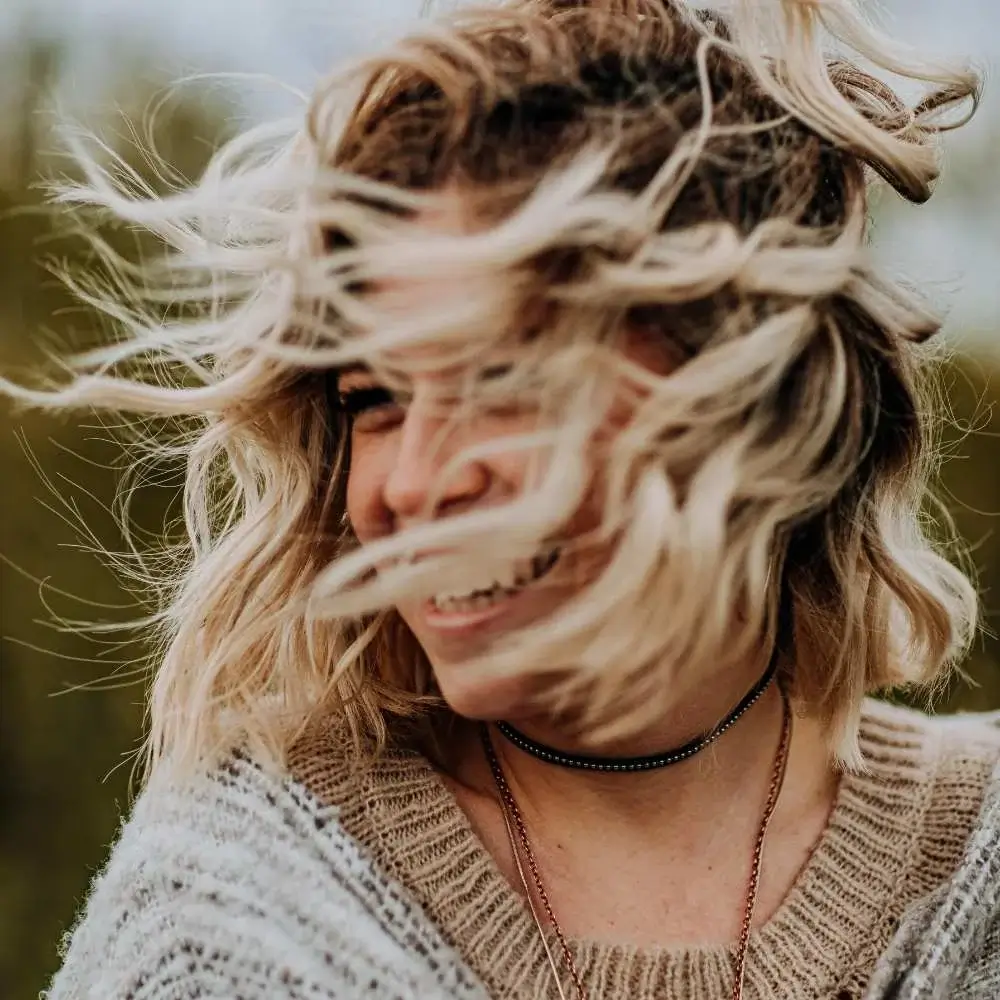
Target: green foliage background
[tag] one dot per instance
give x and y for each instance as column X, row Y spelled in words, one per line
column 71, row 706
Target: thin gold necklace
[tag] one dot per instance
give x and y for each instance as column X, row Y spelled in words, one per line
column 520, row 844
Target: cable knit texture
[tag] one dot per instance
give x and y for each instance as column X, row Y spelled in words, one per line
column 339, row 882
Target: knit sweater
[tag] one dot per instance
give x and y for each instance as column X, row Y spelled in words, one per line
column 334, row 882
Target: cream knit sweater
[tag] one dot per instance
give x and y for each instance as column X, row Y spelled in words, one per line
column 336, row 883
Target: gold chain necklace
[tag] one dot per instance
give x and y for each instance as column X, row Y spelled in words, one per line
column 520, row 844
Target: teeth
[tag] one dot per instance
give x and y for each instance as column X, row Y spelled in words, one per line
column 473, row 603
column 540, row 565
column 464, row 595
column 511, row 581
column 507, row 578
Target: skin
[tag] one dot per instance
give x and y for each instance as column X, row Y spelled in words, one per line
column 653, row 859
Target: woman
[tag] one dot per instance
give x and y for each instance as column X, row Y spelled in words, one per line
column 555, row 464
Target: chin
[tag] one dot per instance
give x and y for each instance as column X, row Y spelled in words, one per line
column 484, row 700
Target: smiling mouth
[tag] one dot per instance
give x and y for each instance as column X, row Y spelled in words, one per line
column 522, row 576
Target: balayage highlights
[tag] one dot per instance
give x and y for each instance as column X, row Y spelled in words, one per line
column 625, row 165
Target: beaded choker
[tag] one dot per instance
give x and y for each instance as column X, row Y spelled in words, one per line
column 650, row 762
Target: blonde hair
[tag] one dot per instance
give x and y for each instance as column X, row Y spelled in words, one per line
column 630, row 164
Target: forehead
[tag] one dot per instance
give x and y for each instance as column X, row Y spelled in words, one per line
column 473, row 295
column 450, row 216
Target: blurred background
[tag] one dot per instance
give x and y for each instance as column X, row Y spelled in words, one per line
column 71, row 707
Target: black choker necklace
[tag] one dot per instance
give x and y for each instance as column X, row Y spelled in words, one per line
column 652, row 761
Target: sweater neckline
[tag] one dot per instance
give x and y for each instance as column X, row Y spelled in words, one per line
column 842, row 906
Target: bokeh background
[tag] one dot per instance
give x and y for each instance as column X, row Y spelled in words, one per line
column 71, row 706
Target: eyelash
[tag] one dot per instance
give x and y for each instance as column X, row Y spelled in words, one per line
column 495, row 372
column 360, row 400
column 364, row 399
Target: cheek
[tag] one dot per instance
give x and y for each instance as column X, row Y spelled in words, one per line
column 364, row 493
column 598, row 458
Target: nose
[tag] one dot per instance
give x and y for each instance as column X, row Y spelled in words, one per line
column 424, row 476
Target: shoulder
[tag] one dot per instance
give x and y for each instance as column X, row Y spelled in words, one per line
column 242, row 883
column 945, row 768
column 969, row 728
column 956, row 752
column 934, row 772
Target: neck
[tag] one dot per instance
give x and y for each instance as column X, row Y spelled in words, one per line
column 679, row 804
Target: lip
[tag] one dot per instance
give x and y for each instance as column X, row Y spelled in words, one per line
column 454, row 622
column 457, row 623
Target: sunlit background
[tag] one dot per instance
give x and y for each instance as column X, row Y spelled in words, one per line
column 64, row 764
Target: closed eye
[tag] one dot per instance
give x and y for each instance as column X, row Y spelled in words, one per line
column 494, row 373
column 364, row 399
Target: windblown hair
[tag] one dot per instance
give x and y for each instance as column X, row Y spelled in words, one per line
column 630, row 165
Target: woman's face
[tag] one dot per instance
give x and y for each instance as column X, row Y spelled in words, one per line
column 399, row 451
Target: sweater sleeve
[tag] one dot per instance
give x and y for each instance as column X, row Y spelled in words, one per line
column 980, row 977
column 949, row 944
column 244, row 888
